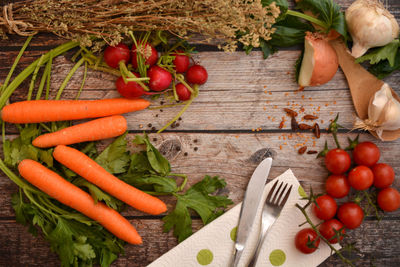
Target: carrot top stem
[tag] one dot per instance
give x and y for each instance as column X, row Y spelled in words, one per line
column 83, row 81
column 68, row 77
column 43, row 80
column 4, row 86
column 7, row 91
column 49, row 63
column 33, row 80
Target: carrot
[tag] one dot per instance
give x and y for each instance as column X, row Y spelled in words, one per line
column 72, row 196
column 98, row 129
column 94, row 173
column 61, row 110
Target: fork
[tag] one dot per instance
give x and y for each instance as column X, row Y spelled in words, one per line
column 274, row 203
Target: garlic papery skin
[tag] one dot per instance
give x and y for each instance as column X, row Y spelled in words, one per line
column 383, row 112
column 378, row 102
column 370, row 25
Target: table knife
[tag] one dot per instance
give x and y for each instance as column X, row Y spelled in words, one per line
column 249, row 207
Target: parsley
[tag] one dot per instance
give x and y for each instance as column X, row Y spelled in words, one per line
column 387, row 52
column 77, row 239
column 383, row 60
column 199, row 199
column 114, row 158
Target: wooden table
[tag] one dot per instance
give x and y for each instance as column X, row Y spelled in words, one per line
column 224, row 132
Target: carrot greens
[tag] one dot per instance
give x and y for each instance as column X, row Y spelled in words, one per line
column 77, row 239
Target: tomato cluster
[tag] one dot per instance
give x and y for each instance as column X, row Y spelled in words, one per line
column 160, row 78
column 367, row 172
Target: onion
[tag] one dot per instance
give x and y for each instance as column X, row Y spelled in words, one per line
column 370, row 25
column 320, row 62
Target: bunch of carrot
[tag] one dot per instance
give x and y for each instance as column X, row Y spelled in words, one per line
column 110, row 124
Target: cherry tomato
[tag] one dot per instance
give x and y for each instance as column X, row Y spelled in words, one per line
column 182, row 92
column 326, row 208
column 351, row 215
column 328, row 228
column 181, row 61
column 383, row 175
column 366, row 153
column 389, row 199
column 337, row 186
column 115, row 54
column 361, row 177
column 337, row 161
column 160, row 79
column 196, row 74
column 304, row 240
column 147, row 51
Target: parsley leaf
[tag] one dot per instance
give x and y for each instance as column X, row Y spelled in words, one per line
column 387, row 52
column 199, row 199
column 156, row 160
column 115, row 157
column 383, row 68
column 327, row 11
column 99, row 195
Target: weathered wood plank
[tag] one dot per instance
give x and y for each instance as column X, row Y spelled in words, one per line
column 234, row 98
column 234, row 157
column 23, row 249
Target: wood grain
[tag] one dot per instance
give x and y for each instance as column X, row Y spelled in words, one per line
column 234, row 98
column 234, row 158
column 375, row 242
column 244, row 92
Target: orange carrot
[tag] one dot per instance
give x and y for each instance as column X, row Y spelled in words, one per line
column 94, row 173
column 35, row 111
column 98, row 129
column 65, row 192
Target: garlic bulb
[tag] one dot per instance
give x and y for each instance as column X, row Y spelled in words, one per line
column 370, row 25
column 383, row 112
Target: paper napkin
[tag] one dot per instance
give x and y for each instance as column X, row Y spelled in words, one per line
column 213, row 245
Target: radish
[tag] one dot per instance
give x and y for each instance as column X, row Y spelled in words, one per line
column 113, row 55
column 197, row 74
column 148, row 52
column 181, row 61
column 160, row 79
column 320, row 62
column 130, row 89
column 183, row 92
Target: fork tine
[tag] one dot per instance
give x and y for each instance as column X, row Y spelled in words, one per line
column 271, row 191
column 280, row 195
column 276, row 193
column 286, row 196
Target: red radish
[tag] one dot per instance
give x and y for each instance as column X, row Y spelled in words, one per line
column 181, row 61
column 320, row 62
column 147, row 51
column 160, row 79
column 113, row 55
column 197, row 74
column 182, row 92
column 130, row 89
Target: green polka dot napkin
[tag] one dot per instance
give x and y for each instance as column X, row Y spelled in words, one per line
column 213, row 245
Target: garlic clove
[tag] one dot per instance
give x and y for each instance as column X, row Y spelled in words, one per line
column 378, row 102
column 370, row 25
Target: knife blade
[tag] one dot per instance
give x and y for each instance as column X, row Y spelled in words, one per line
column 249, row 207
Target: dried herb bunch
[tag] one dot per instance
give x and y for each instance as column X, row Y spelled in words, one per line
column 228, row 21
